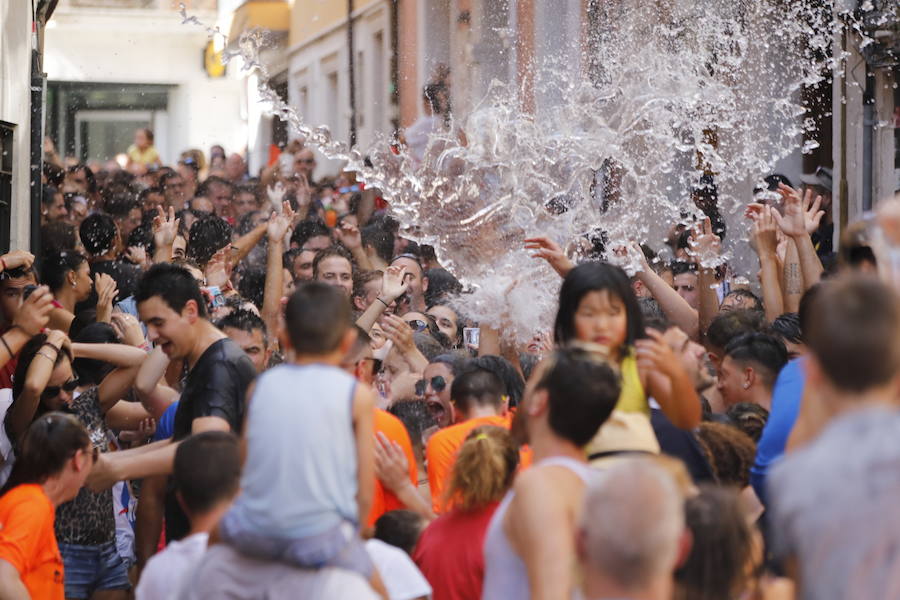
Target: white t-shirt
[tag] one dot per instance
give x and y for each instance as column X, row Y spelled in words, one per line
column 401, row 576
column 162, row 577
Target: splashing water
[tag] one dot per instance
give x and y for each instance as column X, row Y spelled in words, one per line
column 677, row 89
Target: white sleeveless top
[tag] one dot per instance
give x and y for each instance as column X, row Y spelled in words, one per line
column 505, row 576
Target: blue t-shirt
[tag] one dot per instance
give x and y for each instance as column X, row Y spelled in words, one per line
column 785, row 406
column 165, row 427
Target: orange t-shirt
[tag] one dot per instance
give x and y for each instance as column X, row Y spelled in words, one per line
column 441, row 453
column 393, row 428
column 28, row 543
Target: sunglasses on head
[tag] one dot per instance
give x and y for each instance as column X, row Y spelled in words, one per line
column 53, row 391
column 438, row 384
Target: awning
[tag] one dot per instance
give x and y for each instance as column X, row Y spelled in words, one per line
column 274, row 15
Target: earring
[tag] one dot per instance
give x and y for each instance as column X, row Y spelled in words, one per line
column 746, row 386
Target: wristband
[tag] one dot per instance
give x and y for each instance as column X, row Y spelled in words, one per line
column 51, row 345
column 47, row 356
column 386, row 305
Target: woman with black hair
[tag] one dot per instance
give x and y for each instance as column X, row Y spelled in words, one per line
column 55, row 458
column 68, row 276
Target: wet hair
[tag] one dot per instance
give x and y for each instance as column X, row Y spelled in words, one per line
column 457, row 362
column 582, row 393
column 18, row 273
column 375, row 236
column 749, row 417
column 50, row 441
column 252, row 284
column 208, row 236
column 429, row 345
column 207, row 470
column 729, row 451
column 513, row 383
column 308, row 229
column 88, row 176
column 246, row 321
column 246, row 225
column 360, row 280
column 594, row 277
column 142, row 236
column 400, row 528
column 743, row 294
column 680, row 267
column 484, row 469
column 651, row 310
column 767, row 354
column 57, row 265
column 98, row 233
column 91, row 371
column 203, row 188
column 413, row 257
column 328, row 253
column 173, row 284
column 26, row 355
column 57, row 236
column 476, row 386
column 316, row 318
column 48, row 196
column 120, row 204
column 853, row 330
column 786, row 327
column 55, row 174
column 721, row 549
column 416, row 417
column 730, row 324
column 441, row 285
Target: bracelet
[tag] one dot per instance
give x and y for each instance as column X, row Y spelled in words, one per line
column 5, row 345
column 386, row 305
column 47, row 356
column 51, row 345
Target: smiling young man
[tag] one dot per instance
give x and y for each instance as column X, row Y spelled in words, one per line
column 218, row 371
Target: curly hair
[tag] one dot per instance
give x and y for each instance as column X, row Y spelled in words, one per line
column 730, row 453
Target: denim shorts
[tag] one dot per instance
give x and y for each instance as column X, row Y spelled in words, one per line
column 91, row 568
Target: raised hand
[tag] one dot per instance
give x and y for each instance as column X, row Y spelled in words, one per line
column 35, row 311
column 106, row 293
column 279, row 224
column 799, row 213
column 399, row 332
column 391, row 464
column 276, row 195
column 655, row 354
column 137, row 255
column 394, row 283
column 349, row 235
column 218, row 269
column 765, row 232
column 706, row 246
column 16, row 259
column 129, row 329
column 548, row 250
column 165, row 227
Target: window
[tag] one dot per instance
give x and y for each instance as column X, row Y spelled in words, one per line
column 6, row 178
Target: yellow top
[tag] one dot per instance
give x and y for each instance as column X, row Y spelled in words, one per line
column 632, row 398
column 148, row 157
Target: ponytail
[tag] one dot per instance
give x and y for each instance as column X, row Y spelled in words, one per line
column 484, row 469
column 49, row 442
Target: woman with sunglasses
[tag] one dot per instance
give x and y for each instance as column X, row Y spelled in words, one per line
column 45, row 382
column 55, row 457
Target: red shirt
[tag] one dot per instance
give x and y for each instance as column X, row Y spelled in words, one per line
column 450, row 553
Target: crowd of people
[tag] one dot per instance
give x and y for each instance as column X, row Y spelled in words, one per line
column 218, row 385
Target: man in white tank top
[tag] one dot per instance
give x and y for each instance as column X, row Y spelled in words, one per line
column 529, row 549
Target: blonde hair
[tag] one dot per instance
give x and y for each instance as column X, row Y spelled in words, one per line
column 484, row 469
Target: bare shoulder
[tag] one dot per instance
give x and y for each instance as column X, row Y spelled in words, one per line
column 545, row 480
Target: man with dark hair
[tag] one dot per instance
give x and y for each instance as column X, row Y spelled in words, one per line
column 218, row 372
column 103, row 242
column 207, row 237
column 248, row 330
column 53, row 205
column 311, row 235
column 334, row 266
column 844, row 483
column 727, row 326
column 221, row 193
column 418, row 283
column 528, row 549
column 687, row 282
column 747, row 374
column 479, row 397
column 743, row 299
column 207, row 475
column 151, row 198
column 125, row 211
column 172, row 185
column 378, row 245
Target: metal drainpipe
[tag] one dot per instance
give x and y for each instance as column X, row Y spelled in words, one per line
column 843, row 191
column 351, row 67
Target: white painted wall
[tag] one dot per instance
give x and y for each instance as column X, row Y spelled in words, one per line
column 151, row 46
column 15, row 100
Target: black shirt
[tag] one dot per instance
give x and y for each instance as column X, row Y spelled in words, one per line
column 215, row 387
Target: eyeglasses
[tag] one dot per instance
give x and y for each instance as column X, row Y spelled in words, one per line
column 53, row 391
column 418, row 325
column 438, row 384
column 308, row 161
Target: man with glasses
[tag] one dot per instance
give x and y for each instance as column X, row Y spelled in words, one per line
column 305, row 164
column 478, row 398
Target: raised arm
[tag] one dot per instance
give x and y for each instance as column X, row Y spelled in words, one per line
column 277, row 228
column 31, row 318
column 155, row 396
column 765, row 236
column 672, row 304
column 394, row 284
column 801, row 214
column 667, row 381
column 707, row 248
column 350, row 237
column 548, row 250
column 165, row 229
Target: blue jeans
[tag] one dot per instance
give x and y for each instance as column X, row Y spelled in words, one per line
column 91, row 568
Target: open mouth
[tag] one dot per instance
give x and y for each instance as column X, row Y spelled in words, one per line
column 437, row 411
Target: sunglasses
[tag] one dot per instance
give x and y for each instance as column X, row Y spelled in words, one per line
column 418, row 325
column 348, row 189
column 53, row 391
column 308, row 161
column 438, row 384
